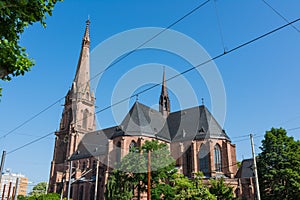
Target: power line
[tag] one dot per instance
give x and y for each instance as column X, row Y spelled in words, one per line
column 280, row 15
column 292, row 129
column 197, row 66
column 177, row 75
column 30, row 143
column 219, row 25
column 114, row 63
column 150, row 39
column 31, row 118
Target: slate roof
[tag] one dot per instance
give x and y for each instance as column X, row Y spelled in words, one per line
column 94, row 144
column 188, row 124
column 142, row 120
column 194, row 123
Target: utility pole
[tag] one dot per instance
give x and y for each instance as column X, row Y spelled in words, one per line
column 149, row 176
column 97, row 179
column 255, row 168
column 2, row 164
column 8, row 193
column 3, row 192
column 17, row 188
column 70, row 176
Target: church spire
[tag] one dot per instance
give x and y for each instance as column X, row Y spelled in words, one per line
column 164, row 101
column 83, row 99
column 82, row 76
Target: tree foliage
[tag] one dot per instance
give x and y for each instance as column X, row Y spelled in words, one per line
column 130, row 178
column 15, row 16
column 278, row 166
column 220, row 189
column 49, row 196
column 39, row 189
column 131, row 174
column 191, row 189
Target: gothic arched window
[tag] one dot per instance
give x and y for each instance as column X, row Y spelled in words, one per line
column 188, row 160
column 85, row 118
column 204, row 159
column 118, row 152
column 218, row 161
column 81, row 193
column 83, row 165
column 94, row 165
column 92, row 192
column 132, row 145
column 71, row 192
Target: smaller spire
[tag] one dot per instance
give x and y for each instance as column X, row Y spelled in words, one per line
column 164, row 84
column 164, row 101
column 202, row 99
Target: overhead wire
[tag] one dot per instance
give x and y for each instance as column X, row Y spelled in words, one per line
column 177, row 75
column 31, row 118
column 195, row 67
column 219, row 25
column 190, row 69
column 280, row 15
column 111, row 65
column 29, row 143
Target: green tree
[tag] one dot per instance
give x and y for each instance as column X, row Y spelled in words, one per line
column 278, row 166
column 39, row 189
column 15, row 16
column 220, row 189
column 191, row 189
column 131, row 174
column 22, row 197
column 49, row 196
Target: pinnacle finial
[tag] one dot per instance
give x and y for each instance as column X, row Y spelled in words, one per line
column 86, row 37
column 88, row 21
column 202, row 99
column 136, row 97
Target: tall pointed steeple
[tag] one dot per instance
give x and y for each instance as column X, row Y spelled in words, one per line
column 83, row 99
column 164, row 101
column 79, row 109
column 82, row 76
column 78, row 117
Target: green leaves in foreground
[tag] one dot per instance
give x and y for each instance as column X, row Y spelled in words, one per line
column 15, row 16
column 279, row 166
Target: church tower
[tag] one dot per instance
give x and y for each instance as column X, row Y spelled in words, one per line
column 78, row 116
column 164, row 101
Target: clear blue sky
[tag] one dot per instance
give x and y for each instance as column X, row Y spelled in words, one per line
column 261, row 80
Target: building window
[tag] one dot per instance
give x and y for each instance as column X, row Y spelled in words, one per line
column 92, row 192
column 83, row 165
column 81, row 193
column 204, row 159
column 218, row 161
column 85, row 118
column 71, row 192
column 94, row 165
column 188, row 160
column 132, row 145
column 118, row 152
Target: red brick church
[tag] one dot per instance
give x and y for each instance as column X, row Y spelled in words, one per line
column 196, row 140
